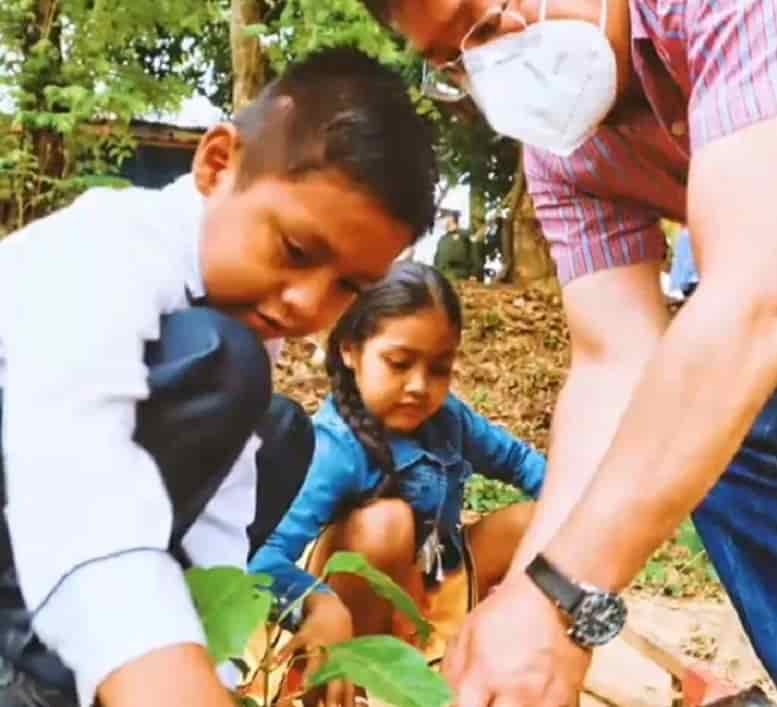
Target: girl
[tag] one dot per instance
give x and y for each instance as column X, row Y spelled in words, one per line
column 393, row 452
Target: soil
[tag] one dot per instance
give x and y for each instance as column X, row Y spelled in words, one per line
column 512, row 362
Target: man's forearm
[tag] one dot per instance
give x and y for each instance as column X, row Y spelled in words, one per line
column 616, row 318
column 584, row 423
column 676, row 437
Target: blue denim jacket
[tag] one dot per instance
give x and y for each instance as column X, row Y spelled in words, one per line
column 433, row 465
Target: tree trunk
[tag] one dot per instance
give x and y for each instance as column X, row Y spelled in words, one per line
column 506, row 239
column 248, row 67
column 532, row 265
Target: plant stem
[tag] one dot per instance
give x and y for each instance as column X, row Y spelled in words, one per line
column 264, row 668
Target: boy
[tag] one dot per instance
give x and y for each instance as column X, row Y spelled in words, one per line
column 124, row 409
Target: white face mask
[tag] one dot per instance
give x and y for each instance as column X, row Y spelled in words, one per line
column 549, row 85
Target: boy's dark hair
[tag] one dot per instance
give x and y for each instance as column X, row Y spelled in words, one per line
column 408, row 288
column 341, row 110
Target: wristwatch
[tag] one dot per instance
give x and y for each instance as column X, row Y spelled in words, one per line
column 595, row 616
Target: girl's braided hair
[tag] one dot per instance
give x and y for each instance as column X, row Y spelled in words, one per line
column 408, row 288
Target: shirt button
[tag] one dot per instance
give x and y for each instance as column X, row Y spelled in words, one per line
column 679, row 128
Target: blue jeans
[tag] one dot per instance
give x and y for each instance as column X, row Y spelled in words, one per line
column 737, row 522
column 210, row 385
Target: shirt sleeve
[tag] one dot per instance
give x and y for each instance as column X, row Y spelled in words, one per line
column 336, row 477
column 88, row 512
column 732, row 66
column 219, row 534
column 495, row 453
column 587, row 233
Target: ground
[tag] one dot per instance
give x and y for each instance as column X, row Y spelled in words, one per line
column 512, row 363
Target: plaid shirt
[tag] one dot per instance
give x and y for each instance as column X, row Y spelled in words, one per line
column 707, row 68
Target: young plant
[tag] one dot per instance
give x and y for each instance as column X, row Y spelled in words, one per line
column 233, row 604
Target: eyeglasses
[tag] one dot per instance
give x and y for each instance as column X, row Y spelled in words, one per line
column 447, row 84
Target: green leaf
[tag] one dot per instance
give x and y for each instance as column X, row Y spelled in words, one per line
column 655, row 572
column 689, row 538
column 389, row 669
column 231, row 604
column 381, row 584
column 246, row 702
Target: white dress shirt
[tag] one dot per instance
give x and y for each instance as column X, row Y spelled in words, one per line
column 81, row 292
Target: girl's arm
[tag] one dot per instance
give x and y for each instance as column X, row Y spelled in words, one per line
column 336, row 475
column 496, row 453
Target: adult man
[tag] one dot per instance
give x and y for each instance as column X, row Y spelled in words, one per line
column 454, row 256
column 673, row 115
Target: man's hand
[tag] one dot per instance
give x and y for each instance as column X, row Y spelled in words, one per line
column 327, row 622
column 513, row 651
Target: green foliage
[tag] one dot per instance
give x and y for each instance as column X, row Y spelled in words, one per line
column 391, row 670
column 233, row 604
column 680, row 567
column 77, row 72
column 71, row 63
column 468, row 150
column 484, row 495
column 381, row 584
column 305, row 26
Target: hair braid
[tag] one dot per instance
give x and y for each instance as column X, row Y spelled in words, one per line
column 367, row 428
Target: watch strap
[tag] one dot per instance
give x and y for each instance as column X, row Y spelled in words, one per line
column 559, row 589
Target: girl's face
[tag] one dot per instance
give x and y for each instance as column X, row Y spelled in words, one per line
column 404, row 371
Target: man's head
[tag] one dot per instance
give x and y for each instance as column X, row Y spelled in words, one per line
column 437, row 28
column 311, row 192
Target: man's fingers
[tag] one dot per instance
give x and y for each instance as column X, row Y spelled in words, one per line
column 503, row 701
column 472, row 694
column 454, row 663
column 550, row 696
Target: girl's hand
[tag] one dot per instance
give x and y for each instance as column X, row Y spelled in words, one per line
column 327, row 622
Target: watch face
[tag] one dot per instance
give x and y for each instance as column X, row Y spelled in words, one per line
column 598, row 618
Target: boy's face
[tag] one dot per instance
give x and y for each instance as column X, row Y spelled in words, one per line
column 288, row 257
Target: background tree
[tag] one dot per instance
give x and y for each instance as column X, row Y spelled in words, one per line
column 69, row 64
column 248, row 62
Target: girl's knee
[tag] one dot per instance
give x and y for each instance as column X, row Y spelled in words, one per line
column 384, row 532
column 520, row 518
